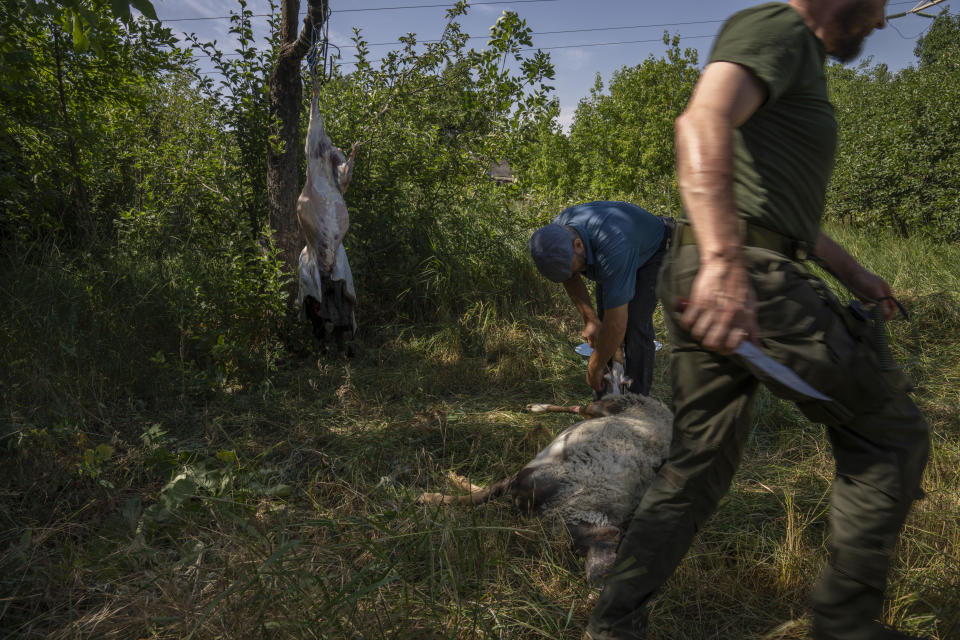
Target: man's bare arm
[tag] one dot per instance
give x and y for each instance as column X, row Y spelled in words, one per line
column 720, row 312
column 577, row 290
column 603, row 336
column 865, row 284
column 609, row 338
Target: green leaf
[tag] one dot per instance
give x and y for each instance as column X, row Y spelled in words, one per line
column 121, row 9
column 228, row 456
column 80, row 41
column 104, row 451
column 144, row 7
column 161, row 461
column 131, row 510
column 157, row 513
column 280, row 491
column 178, row 492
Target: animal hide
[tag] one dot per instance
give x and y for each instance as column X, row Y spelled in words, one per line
column 327, row 296
column 592, row 476
column 336, row 295
column 321, row 210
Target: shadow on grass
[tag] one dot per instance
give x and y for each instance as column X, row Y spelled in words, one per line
column 347, row 552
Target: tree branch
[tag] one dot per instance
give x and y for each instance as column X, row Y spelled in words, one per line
column 316, row 14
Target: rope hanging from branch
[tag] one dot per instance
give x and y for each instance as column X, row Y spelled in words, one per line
column 319, row 60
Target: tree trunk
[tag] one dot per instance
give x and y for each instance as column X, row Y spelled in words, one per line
column 78, row 190
column 286, row 93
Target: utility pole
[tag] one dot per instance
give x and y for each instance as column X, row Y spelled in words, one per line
column 921, row 6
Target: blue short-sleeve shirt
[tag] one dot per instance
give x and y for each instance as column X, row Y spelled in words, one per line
column 619, row 238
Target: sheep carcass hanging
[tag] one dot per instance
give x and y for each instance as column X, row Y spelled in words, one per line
column 327, row 295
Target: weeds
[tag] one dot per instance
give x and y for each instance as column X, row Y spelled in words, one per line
column 284, row 505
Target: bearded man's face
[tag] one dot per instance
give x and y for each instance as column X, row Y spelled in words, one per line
column 851, row 25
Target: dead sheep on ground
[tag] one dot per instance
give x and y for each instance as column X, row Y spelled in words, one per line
column 592, row 476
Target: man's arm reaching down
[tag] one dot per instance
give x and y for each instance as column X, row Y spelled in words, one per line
column 865, row 284
column 609, row 338
column 577, row 290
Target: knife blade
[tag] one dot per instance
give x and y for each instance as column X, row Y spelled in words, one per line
column 586, row 350
column 781, row 373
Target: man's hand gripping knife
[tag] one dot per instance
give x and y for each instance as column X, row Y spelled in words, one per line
column 721, row 310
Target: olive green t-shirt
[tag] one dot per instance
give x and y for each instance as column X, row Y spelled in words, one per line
column 783, row 155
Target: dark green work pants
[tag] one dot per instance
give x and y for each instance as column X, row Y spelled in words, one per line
column 880, row 443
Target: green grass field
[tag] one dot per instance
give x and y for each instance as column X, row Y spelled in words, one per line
column 286, row 508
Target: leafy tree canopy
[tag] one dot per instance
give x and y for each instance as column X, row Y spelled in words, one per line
column 941, row 43
column 621, row 141
column 898, row 163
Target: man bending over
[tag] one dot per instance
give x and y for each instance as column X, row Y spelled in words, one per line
column 621, row 247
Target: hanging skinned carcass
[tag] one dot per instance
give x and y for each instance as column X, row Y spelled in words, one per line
column 327, row 296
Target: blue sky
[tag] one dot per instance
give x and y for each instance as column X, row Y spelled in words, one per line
column 583, row 54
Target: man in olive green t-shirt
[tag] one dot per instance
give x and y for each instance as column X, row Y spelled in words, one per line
column 755, row 150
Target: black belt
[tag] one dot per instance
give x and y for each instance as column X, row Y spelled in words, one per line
column 761, row 237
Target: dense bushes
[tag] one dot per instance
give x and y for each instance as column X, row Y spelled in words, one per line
column 898, row 164
column 130, row 270
column 621, row 141
column 431, row 233
column 131, row 206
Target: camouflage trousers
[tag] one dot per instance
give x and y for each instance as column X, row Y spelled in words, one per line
column 879, row 441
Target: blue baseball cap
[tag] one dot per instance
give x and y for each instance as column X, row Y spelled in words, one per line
column 551, row 248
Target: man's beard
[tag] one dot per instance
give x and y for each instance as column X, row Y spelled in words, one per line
column 849, row 41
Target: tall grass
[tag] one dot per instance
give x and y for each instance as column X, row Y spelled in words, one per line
column 287, row 508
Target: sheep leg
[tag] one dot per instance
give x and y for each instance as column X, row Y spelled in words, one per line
column 552, row 408
column 477, row 495
column 314, row 312
column 599, row 545
column 463, row 483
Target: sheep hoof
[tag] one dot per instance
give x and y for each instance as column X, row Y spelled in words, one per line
column 600, row 559
column 601, row 553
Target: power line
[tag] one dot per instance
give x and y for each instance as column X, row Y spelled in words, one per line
column 549, row 33
column 587, row 29
column 534, row 33
column 424, row 6
column 430, row 6
column 561, row 31
column 567, row 46
column 591, row 29
column 557, row 32
column 409, row 6
column 604, row 44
